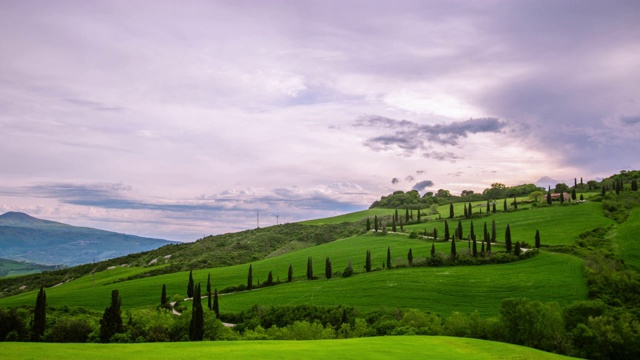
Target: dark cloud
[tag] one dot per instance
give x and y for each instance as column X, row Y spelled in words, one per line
column 395, row 181
column 630, row 120
column 441, row 155
column 410, row 136
column 420, row 172
column 409, row 178
column 422, row 185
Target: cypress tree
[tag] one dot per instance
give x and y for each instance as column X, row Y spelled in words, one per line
column 537, row 238
column 419, row 220
column 111, row 322
column 290, row 273
column 507, row 239
column 488, row 207
column 190, row 285
column 216, row 304
column 515, row 203
column 435, row 234
column 433, row 249
column 604, row 189
column 388, row 257
column 516, row 250
column 393, row 225
column 472, row 232
column 549, row 195
column 367, row 264
column 504, row 206
column 634, row 185
column 368, row 224
column 375, row 223
column 39, row 316
column 209, row 304
column 451, row 214
column 466, row 214
column 470, row 212
column 411, row 215
column 250, row 278
column 493, row 231
column 581, row 197
column 196, row 326
column 410, row 257
column 270, row 279
column 406, row 216
column 482, row 249
column 163, row 295
column 446, row 231
column 328, row 272
column 459, row 234
column 494, row 207
column 396, row 216
column 488, row 247
column 475, row 246
column 561, row 197
column 309, row 268
column 453, row 249
column 573, row 194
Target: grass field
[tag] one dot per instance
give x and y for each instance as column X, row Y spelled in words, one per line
column 627, row 241
column 431, row 347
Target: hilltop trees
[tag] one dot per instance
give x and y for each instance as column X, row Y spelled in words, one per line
column 111, row 322
column 196, row 326
column 39, row 316
column 190, row 284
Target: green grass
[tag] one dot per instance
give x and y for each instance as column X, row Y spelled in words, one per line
column 431, row 347
column 350, row 217
column 627, row 241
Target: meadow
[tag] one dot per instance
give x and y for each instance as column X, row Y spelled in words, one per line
column 432, row 347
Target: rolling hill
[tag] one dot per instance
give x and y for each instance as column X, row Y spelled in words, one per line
column 25, row 238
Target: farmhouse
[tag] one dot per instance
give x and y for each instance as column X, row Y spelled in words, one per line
column 565, row 196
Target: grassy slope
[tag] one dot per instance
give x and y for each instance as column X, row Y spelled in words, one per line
column 628, row 239
column 432, row 347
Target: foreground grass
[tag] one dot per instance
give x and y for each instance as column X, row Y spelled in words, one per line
column 431, row 347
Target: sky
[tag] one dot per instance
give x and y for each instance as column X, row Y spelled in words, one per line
column 180, row 119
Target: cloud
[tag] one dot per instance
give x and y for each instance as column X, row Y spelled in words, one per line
column 409, row 178
column 630, row 120
column 441, row 155
column 395, row 181
column 422, row 185
column 410, row 136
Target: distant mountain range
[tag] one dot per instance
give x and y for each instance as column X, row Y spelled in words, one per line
column 25, row 238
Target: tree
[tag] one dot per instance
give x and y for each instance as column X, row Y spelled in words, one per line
column 536, row 195
column 549, row 195
column 368, row 224
column 470, row 212
column 290, row 273
column 410, row 257
column 163, row 295
column 472, row 232
column 270, row 279
column 328, row 272
column 196, row 326
column 634, row 185
column 367, row 264
column 395, row 216
column 517, row 250
column 459, row 234
column 504, row 206
column 190, row 285
column 466, row 213
column 507, row 239
column 419, row 219
column 39, row 316
column 309, row 268
column 451, row 213
column 515, row 203
column 581, row 197
column 537, row 238
column 250, row 278
column 453, row 249
column 488, row 207
column 209, row 304
column 111, row 322
column 573, row 194
column 435, row 234
column 433, row 249
column 216, row 304
column 475, row 246
column 493, row 207
column 446, row 231
column 388, row 257
column 406, row 216
column 375, row 223
column 561, row 198
column 488, row 247
column 493, row 231
column 393, row 224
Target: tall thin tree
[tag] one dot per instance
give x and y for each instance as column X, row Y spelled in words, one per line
column 216, row 304
column 309, row 268
column 410, row 257
column 493, row 231
column 537, row 239
column 507, row 239
column 328, row 272
column 446, row 231
column 388, row 257
column 163, row 295
column 250, row 278
column 111, row 322
column 290, row 273
column 367, row 264
column 39, row 316
column 196, row 326
column 451, row 213
column 190, row 285
column 453, row 248
column 209, row 304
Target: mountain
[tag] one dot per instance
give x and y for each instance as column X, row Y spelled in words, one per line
column 25, row 238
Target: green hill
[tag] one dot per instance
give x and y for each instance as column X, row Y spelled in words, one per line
column 16, row 268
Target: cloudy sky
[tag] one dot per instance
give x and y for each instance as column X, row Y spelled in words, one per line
column 179, row 119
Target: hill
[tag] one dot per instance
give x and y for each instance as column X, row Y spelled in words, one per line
column 15, row 268
column 25, row 238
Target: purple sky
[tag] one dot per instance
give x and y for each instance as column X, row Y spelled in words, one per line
column 179, row 119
